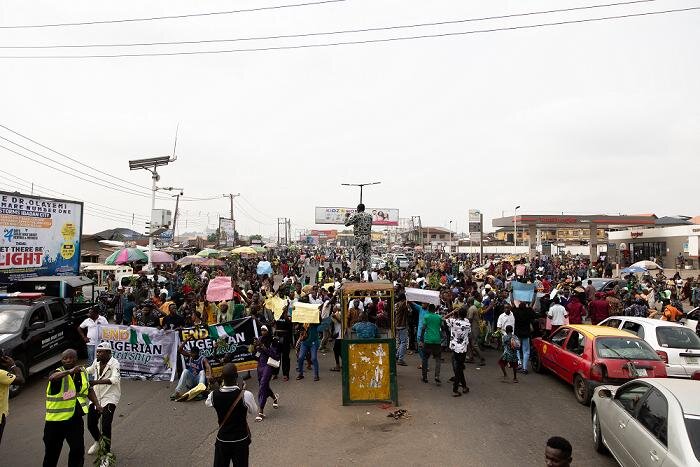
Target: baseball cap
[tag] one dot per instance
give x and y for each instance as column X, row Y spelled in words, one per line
column 104, row 346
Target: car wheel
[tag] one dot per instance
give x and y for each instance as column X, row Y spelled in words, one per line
column 17, row 388
column 581, row 390
column 597, row 435
column 536, row 363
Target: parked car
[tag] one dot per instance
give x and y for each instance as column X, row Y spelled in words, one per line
column 377, row 263
column 603, row 284
column 588, row 356
column 690, row 320
column 36, row 329
column 648, row 422
column 678, row 346
column 401, row 261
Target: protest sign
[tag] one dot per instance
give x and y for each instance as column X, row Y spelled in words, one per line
column 276, row 304
column 523, row 292
column 305, row 313
column 143, row 353
column 230, row 342
column 423, row 296
column 219, row 289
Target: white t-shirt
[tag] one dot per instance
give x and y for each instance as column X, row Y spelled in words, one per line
column 557, row 314
column 91, row 326
column 505, row 320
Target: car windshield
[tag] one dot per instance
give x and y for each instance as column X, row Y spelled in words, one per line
column 677, row 337
column 598, row 284
column 11, row 319
column 622, row 347
column 692, row 425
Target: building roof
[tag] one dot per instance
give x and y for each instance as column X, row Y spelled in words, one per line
column 120, row 233
column 673, row 220
column 568, row 220
column 432, row 230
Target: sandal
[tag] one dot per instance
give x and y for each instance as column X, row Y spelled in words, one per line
column 260, row 417
column 276, row 402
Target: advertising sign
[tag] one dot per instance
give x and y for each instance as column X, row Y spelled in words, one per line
column 370, row 372
column 380, row 216
column 227, row 232
column 142, row 352
column 230, row 342
column 40, row 236
column 474, row 225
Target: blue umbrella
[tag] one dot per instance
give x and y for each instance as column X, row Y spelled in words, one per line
column 264, row 267
column 633, row 269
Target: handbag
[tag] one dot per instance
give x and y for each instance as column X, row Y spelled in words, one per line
column 272, row 362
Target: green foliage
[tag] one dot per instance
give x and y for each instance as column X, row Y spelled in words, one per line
column 104, row 458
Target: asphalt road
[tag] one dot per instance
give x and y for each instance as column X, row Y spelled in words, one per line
column 496, row 424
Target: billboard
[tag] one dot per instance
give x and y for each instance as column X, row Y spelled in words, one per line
column 380, row 216
column 227, row 232
column 474, row 225
column 40, row 236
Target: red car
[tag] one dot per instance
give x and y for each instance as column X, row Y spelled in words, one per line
column 588, row 356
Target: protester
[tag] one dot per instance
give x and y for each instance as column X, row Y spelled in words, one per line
column 429, row 340
column 106, row 382
column 459, row 342
column 67, row 396
column 557, row 314
column 364, row 329
column 362, row 230
column 268, row 353
column 10, row 374
column 524, row 323
column 401, row 313
column 232, row 404
column 511, row 344
column 557, row 452
column 308, row 344
column 197, row 371
column 91, row 324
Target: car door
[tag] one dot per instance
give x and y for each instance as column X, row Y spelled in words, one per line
column 551, row 350
column 570, row 356
column 37, row 336
column 614, row 422
column 646, row 436
column 58, row 328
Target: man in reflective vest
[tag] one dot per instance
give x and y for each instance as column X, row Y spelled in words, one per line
column 67, row 397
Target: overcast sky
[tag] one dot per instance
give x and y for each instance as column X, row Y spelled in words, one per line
column 598, row 117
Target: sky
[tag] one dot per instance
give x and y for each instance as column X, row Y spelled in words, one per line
column 596, row 117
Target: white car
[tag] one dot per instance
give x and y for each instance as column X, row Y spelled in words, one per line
column 648, row 422
column 678, row 346
column 401, row 261
column 690, row 320
column 378, row 263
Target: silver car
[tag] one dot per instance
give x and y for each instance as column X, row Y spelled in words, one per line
column 649, row 422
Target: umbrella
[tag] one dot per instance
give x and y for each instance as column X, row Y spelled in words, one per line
column 161, row 257
column 270, row 245
column 647, row 265
column 212, row 262
column 259, row 249
column 126, row 255
column 633, row 269
column 208, row 253
column 244, row 250
column 264, row 267
column 191, row 259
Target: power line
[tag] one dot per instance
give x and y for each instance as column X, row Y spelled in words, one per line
column 160, row 18
column 258, row 210
column 29, row 183
column 74, row 175
column 71, row 158
column 326, row 33
column 358, row 42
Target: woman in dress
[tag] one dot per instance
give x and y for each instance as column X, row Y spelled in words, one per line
column 267, row 349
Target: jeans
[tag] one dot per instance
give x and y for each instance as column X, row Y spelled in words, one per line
column 401, row 343
column 524, row 352
column 188, row 381
column 90, row 354
column 308, row 348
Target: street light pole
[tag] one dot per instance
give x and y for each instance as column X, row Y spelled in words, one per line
column 361, row 185
column 515, row 230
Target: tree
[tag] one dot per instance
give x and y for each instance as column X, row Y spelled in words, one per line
column 255, row 237
column 213, row 237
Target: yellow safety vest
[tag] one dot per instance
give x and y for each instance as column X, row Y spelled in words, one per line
column 61, row 406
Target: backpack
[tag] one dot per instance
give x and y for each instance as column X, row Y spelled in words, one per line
column 514, row 343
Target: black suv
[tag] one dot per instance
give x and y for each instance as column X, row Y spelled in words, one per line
column 35, row 331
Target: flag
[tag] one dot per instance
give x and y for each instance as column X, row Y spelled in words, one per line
column 139, row 337
column 221, row 331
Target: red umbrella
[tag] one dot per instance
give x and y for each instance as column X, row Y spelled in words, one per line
column 161, row 257
column 212, row 262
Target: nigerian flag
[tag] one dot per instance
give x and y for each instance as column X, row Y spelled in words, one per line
column 221, row 331
column 139, row 337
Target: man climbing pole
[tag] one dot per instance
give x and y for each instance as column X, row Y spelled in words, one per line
column 362, row 229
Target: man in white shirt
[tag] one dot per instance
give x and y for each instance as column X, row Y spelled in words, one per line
column 106, row 382
column 557, row 314
column 89, row 332
column 506, row 319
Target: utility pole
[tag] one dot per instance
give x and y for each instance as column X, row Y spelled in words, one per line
column 288, row 227
column 361, row 185
column 231, row 196
column 177, row 203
